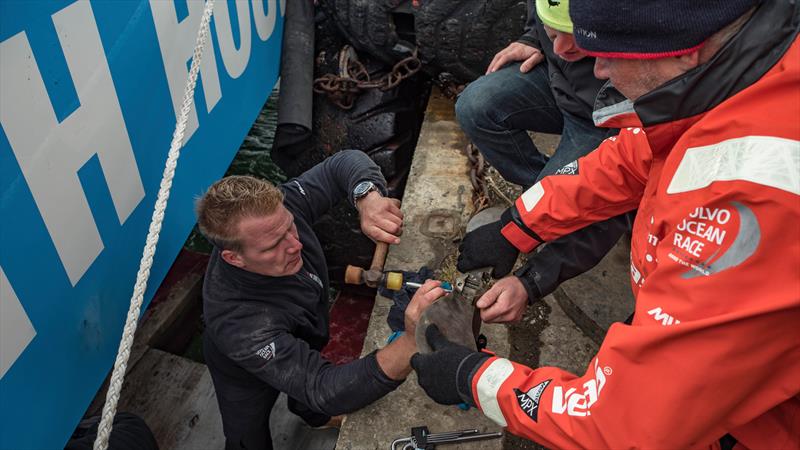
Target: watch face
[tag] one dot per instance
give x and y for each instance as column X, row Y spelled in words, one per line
column 362, row 189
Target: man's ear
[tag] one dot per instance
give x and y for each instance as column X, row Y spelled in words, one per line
column 233, row 258
column 689, row 61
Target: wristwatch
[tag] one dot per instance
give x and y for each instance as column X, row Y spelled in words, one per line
column 362, row 189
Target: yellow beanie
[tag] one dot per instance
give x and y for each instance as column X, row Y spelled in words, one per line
column 555, row 14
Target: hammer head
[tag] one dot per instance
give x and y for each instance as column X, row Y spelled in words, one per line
column 357, row 275
column 373, row 277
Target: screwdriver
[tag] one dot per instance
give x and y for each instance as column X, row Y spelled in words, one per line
column 394, row 281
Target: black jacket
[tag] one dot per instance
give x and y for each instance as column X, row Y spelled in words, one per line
column 270, row 330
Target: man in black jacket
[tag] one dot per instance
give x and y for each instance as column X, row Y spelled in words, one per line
column 265, row 298
column 544, row 83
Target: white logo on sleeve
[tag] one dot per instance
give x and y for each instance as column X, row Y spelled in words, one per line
column 578, row 404
column 299, row 187
column 660, row 316
column 268, row 352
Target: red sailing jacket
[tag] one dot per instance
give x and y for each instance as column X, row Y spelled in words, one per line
column 714, row 346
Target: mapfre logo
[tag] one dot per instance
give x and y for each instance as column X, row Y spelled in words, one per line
column 529, row 401
column 569, row 169
column 576, row 403
column 660, row 316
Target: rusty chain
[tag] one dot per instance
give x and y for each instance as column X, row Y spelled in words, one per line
column 477, row 176
column 343, row 89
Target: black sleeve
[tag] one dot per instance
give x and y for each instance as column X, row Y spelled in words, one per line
column 321, row 187
column 530, row 36
column 571, row 255
column 289, row 365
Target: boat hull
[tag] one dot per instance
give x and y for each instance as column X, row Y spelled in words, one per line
column 88, row 95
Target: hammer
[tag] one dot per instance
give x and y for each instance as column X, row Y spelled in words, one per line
column 373, row 277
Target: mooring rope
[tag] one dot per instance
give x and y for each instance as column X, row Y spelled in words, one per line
column 124, row 351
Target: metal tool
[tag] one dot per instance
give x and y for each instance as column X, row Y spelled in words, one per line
column 422, row 439
column 445, row 285
column 455, row 314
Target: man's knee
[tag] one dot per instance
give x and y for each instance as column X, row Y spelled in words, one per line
column 475, row 104
column 467, row 108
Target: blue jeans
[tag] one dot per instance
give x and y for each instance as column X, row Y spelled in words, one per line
column 496, row 111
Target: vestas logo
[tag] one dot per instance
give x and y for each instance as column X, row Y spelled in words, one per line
column 578, row 404
column 529, row 401
column 660, row 316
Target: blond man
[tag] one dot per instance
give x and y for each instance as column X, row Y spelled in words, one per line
column 265, row 298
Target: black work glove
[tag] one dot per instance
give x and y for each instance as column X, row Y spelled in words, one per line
column 486, row 246
column 446, row 373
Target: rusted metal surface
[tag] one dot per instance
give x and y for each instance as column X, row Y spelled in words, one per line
column 455, row 314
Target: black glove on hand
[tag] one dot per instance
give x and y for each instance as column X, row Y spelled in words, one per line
column 445, row 374
column 486, row 246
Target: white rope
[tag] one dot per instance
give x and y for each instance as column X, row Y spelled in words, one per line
column 124, row 351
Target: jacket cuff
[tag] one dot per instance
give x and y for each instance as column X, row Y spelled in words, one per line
column 517, row 233
column 528, row 40
column 528, row 277
column 466, row 370
column 377, row 373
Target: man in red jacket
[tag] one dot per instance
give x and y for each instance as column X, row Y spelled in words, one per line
column 709, row 152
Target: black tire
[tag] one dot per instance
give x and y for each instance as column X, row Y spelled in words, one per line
column 367, row 25
column 459, row 37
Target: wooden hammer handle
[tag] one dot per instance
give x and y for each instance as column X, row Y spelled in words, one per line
column 379, row 258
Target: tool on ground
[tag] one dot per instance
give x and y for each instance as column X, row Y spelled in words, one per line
column 372, row 277
column 422, row 439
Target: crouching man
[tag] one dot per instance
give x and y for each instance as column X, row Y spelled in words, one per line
column 265, row 298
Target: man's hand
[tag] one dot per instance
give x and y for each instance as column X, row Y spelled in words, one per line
column 394, row 358
column 381, row 218
column 429, row 292
column 445, row 374
column 486, row 246
column 516, row 51
column 504, row 302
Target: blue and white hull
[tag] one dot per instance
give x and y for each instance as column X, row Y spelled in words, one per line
column 88, row 103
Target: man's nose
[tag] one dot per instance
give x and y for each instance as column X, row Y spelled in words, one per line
column 294, row 245
column 561, row 45
column 601, row 68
